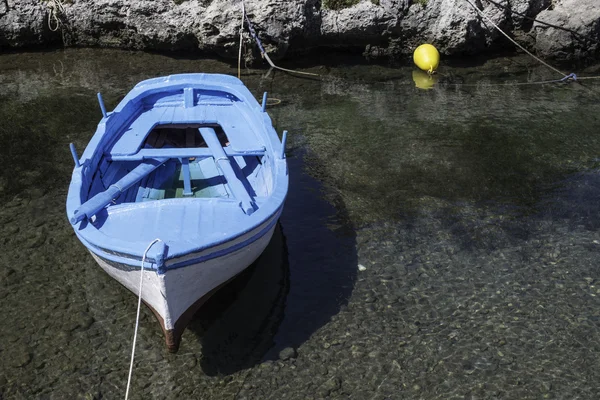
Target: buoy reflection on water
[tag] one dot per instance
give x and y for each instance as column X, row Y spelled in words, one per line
column 423, row 80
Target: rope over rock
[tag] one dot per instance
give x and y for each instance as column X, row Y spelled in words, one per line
column 56, row 10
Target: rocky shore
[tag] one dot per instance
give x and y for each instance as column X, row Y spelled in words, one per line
column 376, row 28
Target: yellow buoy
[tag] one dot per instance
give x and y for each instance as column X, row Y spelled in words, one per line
column 423, row 80
column 427, row 58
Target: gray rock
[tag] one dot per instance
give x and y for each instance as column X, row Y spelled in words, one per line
column 36, row 239
column 582, row 18
column 288, row 353
column 322, row 369
column 12, row 229
column 331, row 385
column 7, row 276
column 80, row 320
column 545, row 387
column 389, row 28
column 23, row 23
column 20, row 357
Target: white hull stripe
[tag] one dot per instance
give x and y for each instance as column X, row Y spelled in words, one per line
column 133, row 263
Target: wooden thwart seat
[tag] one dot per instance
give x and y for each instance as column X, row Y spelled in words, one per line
column 238, row 189
column 198, row 152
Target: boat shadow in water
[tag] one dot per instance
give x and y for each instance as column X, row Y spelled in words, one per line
column 321, row 243
column 236, row 325
column 301, row 280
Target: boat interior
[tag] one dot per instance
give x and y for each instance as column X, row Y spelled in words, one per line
column 196, row 174
column 189, row 165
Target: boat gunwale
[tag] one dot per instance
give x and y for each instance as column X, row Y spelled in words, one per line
column 134, row 260
column 105, row 135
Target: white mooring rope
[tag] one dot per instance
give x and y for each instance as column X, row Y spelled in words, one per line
column 263, row 52
column 137, row 318
column 57, row 8
column 513, row 41
column 241, row 41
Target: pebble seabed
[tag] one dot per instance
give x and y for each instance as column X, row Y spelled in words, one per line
column 428, row 318
column 452, row 300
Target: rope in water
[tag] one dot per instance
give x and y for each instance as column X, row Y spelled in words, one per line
column 137, row 318
column 56, row 8
column 480, row 12
column 263, row 52
column 272, row 101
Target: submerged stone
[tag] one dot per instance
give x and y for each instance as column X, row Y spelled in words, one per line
column 288, row 353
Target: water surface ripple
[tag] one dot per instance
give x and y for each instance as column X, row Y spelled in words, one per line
column 473, row 206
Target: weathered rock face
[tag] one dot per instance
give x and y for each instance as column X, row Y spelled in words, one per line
column 379, row 28
column 23, row 23
column 582, row 18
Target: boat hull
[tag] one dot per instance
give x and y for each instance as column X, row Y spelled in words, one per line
column 176, row 294
column 187, row 173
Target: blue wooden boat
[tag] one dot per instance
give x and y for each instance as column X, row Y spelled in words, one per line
column 193, row 161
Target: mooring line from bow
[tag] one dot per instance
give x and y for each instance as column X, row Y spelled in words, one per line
column 263, row 52
column 137, row 318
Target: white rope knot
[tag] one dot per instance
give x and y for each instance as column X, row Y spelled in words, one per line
column 56, row 8
column 137, row 318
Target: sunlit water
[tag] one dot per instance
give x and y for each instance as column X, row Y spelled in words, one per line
column 473, row 208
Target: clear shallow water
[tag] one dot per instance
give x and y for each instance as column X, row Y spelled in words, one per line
column 473, row 207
